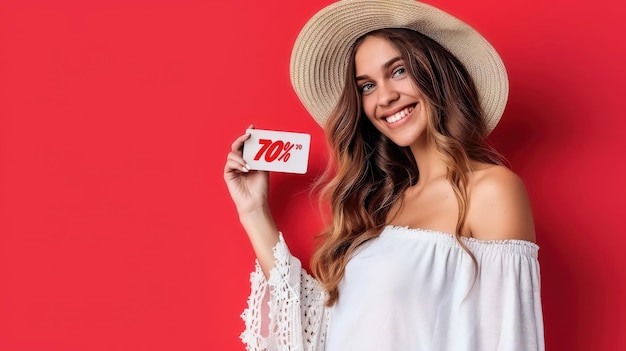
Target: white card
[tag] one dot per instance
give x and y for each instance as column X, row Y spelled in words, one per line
column 269, row 150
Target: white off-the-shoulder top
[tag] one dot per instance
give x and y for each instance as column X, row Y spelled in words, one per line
column 407, row 290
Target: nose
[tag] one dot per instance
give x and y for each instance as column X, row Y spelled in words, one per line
column 387, row 94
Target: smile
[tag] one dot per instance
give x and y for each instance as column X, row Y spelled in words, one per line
column 399, row 115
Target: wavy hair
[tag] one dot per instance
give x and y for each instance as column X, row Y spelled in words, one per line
column 368, row 173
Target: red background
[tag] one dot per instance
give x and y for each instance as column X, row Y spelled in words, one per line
column 116, row 230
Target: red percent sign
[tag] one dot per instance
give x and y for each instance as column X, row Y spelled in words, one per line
column 275, row 150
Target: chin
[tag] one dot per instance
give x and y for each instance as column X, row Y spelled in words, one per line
column 405, row 140
column 401, row 143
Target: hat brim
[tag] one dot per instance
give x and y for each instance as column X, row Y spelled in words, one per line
column 320, row 54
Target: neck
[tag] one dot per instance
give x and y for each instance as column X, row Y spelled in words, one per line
column 429, row 161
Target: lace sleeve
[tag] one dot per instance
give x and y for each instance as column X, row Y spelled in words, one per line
column 286, row 311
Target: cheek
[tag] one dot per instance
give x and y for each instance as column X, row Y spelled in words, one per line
column 410, row 88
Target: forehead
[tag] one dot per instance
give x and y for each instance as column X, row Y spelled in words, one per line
column 373, row 53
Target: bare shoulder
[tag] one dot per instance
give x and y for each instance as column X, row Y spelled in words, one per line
column 499, row 207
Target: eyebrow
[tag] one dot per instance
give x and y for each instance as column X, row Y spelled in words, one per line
column 385, row 66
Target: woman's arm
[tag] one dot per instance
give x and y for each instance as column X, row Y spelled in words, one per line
column 286, row 305
column 249, row 191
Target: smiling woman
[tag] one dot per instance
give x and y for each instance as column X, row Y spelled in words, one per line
column 431, row 240
column 116, row 233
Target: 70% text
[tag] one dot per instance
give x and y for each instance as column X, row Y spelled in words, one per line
column 275, row 150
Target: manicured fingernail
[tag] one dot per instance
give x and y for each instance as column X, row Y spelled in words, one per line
column 244, row 169
column 247, row 166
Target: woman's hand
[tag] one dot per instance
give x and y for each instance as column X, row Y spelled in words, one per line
column 248, row 189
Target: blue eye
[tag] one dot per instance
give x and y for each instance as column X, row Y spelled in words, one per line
column 365, row 88
column 398, row 72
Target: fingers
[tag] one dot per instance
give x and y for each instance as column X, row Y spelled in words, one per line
column 235, row 162
column 237, row 145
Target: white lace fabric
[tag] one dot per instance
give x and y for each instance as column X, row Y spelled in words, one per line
column 293, row 302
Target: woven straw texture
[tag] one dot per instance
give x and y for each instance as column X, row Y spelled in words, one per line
column 320, row 53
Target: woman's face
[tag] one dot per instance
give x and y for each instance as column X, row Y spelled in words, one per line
column 391, row 100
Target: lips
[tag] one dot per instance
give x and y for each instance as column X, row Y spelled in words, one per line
column 399, row 115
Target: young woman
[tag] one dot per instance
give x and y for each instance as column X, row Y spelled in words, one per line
column 431, row 243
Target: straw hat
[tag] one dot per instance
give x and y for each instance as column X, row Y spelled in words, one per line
column 321, row 51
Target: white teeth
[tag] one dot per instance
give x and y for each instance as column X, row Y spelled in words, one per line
column 399, row 115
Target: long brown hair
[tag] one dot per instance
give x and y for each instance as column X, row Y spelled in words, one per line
column 368, row 173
